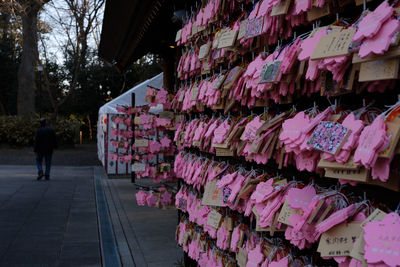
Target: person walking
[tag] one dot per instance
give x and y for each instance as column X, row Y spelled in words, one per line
column 45, row 142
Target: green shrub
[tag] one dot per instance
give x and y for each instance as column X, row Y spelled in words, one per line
column 67, row 131
column 20, row 131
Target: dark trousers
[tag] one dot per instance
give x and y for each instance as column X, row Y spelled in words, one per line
column 39, row 160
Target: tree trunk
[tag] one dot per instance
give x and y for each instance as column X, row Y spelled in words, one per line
column 90, row 127
column 2, row 108
column 5, row 19
column 54, row 115
column 26, row 71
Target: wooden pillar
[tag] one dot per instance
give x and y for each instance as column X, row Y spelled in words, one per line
column 169, row 69
column 133, row 174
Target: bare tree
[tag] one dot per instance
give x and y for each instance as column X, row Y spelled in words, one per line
column 78, row 21
column 28, row 11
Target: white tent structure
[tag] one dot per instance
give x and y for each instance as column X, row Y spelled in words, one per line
column 105, row 124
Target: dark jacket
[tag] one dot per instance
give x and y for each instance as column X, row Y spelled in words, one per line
column 45, row 140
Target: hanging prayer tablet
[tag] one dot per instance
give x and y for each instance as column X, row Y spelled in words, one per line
column 254, row 27
column 393, row 132
column 227, row 39
column 339, row 240
column 328, row 137
column 204, row 51
column 212, row 194
column 242, row 30
column 281, row 8
column 334, row 44
column 232, row 76
column 318, row 12
column 138, row 167
column 382, row 240
column 141, row 143
column 214, row 219
column 270, row 71
column 219, row 82
column 178, row 35
column 379, row 70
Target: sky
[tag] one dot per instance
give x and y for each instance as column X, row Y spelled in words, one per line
column 56, row 15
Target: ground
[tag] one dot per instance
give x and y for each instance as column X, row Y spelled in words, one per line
column 81, row 155
column 78, row 218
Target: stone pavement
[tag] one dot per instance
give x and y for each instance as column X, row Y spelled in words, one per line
column 154, row 228
column 80, row 155
column 48, row 223
column 62, row 222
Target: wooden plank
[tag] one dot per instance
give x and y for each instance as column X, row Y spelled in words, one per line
column 393, row 51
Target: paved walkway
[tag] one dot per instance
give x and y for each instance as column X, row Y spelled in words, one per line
column 48, row 223
column 80, row 155
column 154, row 228
column 63, row 222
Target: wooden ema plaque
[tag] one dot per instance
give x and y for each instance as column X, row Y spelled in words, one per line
column 223, row 152
column 334, row 44
column 212, row 195
column 227, row 39
column 384, row 69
